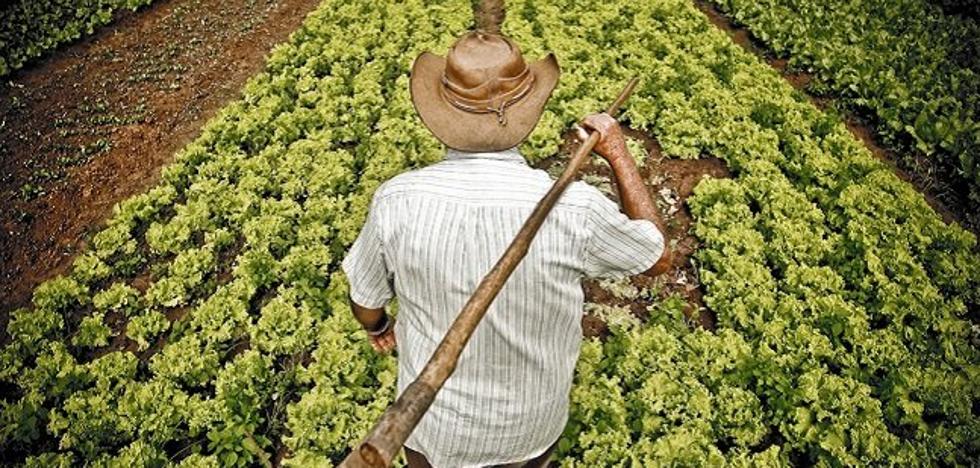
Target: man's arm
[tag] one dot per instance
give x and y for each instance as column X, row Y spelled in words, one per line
column 633, row 194
column 377, row 323
column 637, row 204
column 368, row 275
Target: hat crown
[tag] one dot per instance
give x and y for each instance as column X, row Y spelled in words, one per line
column 483, row 66
column 482, row 96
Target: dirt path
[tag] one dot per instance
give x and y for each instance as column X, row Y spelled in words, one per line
column 91, row 124
column 943, row 194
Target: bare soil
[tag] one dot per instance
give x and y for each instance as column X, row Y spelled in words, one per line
column 92, row 123
column 934, row 179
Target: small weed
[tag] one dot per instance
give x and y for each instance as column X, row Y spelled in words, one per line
column 30, row 191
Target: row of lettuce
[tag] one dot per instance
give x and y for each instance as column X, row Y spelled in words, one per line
column 912, row 67
column 842, row 298
column 29, row 28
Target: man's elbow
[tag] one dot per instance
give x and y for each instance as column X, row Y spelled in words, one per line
column 360, row 311
column 663, row 264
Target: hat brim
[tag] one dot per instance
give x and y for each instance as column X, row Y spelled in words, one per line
column 468, row 131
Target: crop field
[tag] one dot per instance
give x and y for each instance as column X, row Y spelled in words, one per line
column 207, row 322
column 915, row 70
column 28, row 28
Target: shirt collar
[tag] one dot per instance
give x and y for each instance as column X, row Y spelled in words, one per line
column 510, row 154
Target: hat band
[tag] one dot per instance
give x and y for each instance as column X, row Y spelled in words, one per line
column 456, row 95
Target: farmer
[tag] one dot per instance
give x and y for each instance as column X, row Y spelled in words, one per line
column 432, row 234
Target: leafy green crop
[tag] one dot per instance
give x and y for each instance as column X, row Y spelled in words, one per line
column 29, row 28
column 842, row 297
column 913, row 67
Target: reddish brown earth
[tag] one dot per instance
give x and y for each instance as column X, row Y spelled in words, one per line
column 91, row 124
column 944, row 194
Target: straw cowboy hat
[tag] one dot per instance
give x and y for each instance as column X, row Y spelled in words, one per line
column 482, row 96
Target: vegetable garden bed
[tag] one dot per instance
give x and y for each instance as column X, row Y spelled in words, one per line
column 905, row 66
column 843, row 302
column 29, row 28
column 93, row 123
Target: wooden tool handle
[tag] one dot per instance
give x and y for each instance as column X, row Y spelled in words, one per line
column 385, row 440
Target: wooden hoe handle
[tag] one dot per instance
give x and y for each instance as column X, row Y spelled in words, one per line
column 385, row 440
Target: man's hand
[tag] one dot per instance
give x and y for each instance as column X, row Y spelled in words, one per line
column 385, row 342
column 375, row 319
column 612, row 144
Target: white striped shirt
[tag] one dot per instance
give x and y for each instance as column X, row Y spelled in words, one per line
column 431, row 235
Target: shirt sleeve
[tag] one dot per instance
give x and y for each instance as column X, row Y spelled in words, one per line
column 368, row 272
column 618, row 246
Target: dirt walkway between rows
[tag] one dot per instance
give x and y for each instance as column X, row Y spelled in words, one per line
column 944, row 194
column 92, row 124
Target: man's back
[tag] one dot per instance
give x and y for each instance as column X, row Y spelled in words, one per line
column 431, row 236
